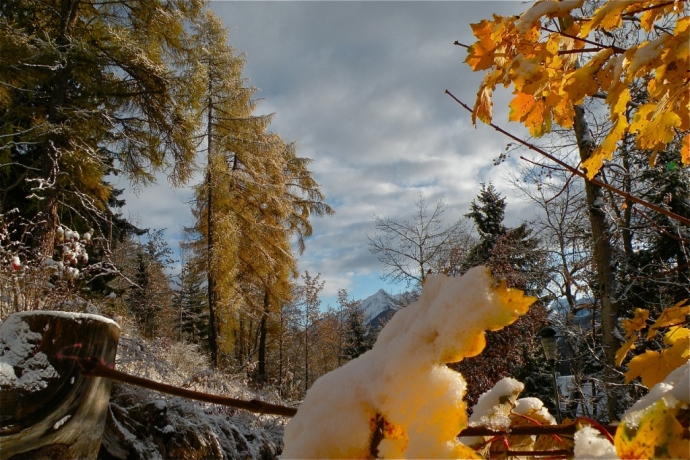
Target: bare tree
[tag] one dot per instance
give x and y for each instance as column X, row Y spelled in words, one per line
column 411, row 249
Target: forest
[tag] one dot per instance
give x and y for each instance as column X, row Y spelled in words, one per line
column 91, row 90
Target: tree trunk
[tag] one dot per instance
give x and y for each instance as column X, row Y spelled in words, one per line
column 261, row 374
column 47, row 408
column 212, row 297
column 603, row 260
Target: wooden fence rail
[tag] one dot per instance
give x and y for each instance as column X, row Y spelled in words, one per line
column 56, row 371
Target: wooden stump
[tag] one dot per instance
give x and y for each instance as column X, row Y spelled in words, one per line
column 47, row 408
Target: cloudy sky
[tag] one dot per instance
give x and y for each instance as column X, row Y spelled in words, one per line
column 360, row 87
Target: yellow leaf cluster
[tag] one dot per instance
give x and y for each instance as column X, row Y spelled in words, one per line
column 653, row 366
column 659, row 434
column 541, row 67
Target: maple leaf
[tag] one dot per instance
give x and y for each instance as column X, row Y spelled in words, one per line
column 654, row 130
column 542, row 64
column 676, row 333
column 483, row 109
column 480, row 54
column 623, row 351
column 581, row 82
column 607, row 17
column 521, row 106
column 671, row 316
column 604, row 151
column 636, row 323
column 654, row 366
column 658, row 434
column 685, row 150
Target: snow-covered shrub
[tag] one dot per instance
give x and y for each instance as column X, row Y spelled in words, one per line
column 148, row 425
column 403, row 380
column 30, row 281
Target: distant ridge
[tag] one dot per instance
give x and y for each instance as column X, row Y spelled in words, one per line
column 378, row 308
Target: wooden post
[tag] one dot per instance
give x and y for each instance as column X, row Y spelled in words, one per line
column 47, row 408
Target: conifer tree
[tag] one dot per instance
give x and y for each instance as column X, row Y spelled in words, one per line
column 191, row 306
column 89, row 88
column 513, row 255
column 256, row 196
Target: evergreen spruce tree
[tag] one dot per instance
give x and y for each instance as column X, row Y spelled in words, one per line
column 513, row 255
column 191, row 306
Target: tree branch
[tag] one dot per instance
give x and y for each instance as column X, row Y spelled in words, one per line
column 92, row 367
column 577, row 172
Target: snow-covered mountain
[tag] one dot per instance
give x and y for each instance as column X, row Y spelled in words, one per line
column 378, row 308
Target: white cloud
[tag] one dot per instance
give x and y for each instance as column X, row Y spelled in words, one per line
column 360, row 87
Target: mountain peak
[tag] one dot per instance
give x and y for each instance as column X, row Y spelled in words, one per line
column 376, row 304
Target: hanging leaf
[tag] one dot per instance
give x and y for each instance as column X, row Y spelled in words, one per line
column 654, row 366
column 672, row 316
column 685, row 150
column 623, row 351
column 658, row 434
column 605, row 150
column 638, row 322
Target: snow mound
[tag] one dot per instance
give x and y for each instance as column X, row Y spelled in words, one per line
column 18, row 346
column 404, row 379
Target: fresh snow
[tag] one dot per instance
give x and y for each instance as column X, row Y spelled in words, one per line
column 404, row 377
column 67, row 315
column 591, row 444
column 376, row 304
column 18, row 346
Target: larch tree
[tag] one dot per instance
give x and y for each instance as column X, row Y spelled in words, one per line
column 256, row 196
column 90, row 88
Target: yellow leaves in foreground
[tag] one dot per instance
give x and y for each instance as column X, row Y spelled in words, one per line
column 653, row 366
column 539, row 64
column 658, row 434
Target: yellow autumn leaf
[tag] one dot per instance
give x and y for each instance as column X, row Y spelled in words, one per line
column 538, row 121
column 618, row 99
column 672, row 316
column 480, row 54
column 685, row 150
column 658, row 434
column 604, row 151
column 581, row 82
column 653, row 366
column 676, row 333
column 654, row 129
column 521, row 106
column 561, row 107
column 514, row 303
column 636, row 323
column 623, row 351
column 607, row 17
column 483, row 108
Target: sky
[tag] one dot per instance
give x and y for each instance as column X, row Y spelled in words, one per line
column 360, row 87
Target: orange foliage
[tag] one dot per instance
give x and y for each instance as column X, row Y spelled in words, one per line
column 552, row 70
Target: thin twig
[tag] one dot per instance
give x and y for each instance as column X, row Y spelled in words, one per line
column 577, row 172
column 615, row 48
